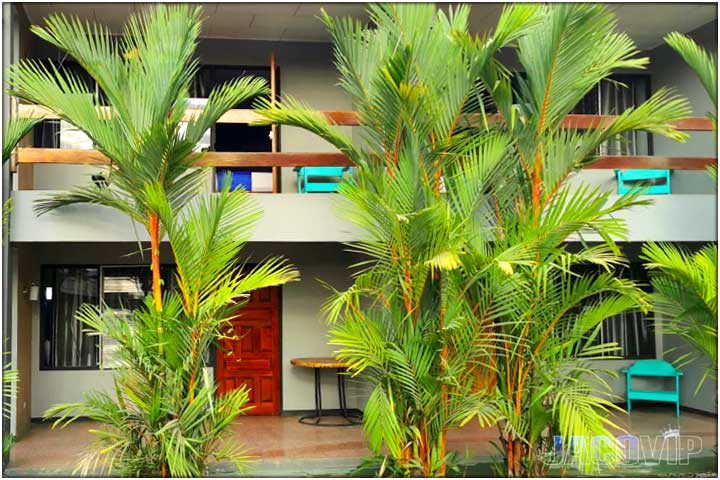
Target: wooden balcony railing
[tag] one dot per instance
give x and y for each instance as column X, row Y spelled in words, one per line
column 30, row 156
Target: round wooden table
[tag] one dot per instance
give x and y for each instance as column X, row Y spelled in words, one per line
column 318, row 364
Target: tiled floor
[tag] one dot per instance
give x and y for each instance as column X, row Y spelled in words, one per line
column 283, row 438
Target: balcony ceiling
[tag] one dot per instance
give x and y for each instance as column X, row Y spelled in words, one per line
column 646, row 23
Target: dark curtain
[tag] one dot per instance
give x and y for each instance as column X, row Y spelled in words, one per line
column 614, row 100
column 66, row 342
column 614, row 96
column 46, row 134
column 632, row 331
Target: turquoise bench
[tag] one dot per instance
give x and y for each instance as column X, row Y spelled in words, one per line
column 658, row 181
column 653, row 368
column 307, row 178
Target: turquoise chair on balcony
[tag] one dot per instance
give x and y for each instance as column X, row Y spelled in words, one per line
column 653, row 368
column 659, row 181
column 307, row 178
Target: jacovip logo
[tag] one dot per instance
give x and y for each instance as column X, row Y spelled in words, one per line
column 668, row 447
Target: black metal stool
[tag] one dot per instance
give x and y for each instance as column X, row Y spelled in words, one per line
column 319, row 364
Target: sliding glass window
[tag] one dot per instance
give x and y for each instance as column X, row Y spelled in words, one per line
column 68, row 344
column 65, row 342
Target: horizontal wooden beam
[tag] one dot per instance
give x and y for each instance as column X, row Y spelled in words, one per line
column 584, row 122
column 645, row 162
column 291, row 159
column 279, row 159
column 349, row 118
column 68, row 156
column 237, row 115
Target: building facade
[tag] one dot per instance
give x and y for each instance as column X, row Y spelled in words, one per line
column 53, row 263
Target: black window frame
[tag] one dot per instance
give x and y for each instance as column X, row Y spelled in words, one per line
column 47, row 274
column 644, row 284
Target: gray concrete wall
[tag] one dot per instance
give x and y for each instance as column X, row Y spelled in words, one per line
column 319, row 218
column 668, row 69
column 303, row 329
column 287, row 217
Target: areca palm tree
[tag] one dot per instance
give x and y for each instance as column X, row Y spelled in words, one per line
column 685, row 285
column 404, row 325
column 468, row 292
column 143, row 80
column 685, row 293
column 163, row 418
column 545, row 384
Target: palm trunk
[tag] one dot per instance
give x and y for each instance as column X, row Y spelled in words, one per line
column 443, row 367
column 514, row 455
column 154, row 231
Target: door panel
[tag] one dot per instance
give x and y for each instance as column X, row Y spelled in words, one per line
column 253, row 359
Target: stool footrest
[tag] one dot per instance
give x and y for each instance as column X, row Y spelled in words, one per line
column 658, row 396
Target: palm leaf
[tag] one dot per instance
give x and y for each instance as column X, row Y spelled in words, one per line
column 16, row 128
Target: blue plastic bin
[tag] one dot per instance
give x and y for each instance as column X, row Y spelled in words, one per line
column 240, row 178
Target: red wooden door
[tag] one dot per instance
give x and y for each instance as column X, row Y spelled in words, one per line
column 254, row 358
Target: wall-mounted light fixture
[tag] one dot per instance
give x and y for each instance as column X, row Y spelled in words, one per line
column 34, row 293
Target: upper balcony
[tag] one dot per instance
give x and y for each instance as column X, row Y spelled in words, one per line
column 241, row 35
column 293, row 217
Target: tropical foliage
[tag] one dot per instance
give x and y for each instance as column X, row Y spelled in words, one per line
column 685, row 293
column 9, row 387
column 684, row 283
column 10, row 378
column 704, row 64
column 15, row 129
column 467, row 305
column 550, row 315
column 164, row 417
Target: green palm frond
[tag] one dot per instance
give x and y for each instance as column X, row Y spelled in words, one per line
column 654, row 115
column 712, row 171
column 10, row 379
column 294, row 113
column 16, row 128
column 705, row 67
column 685, row 293
column 164, row 417
column 212, row 233
column 566, row 55
column 700, row 60
column 465, row 305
